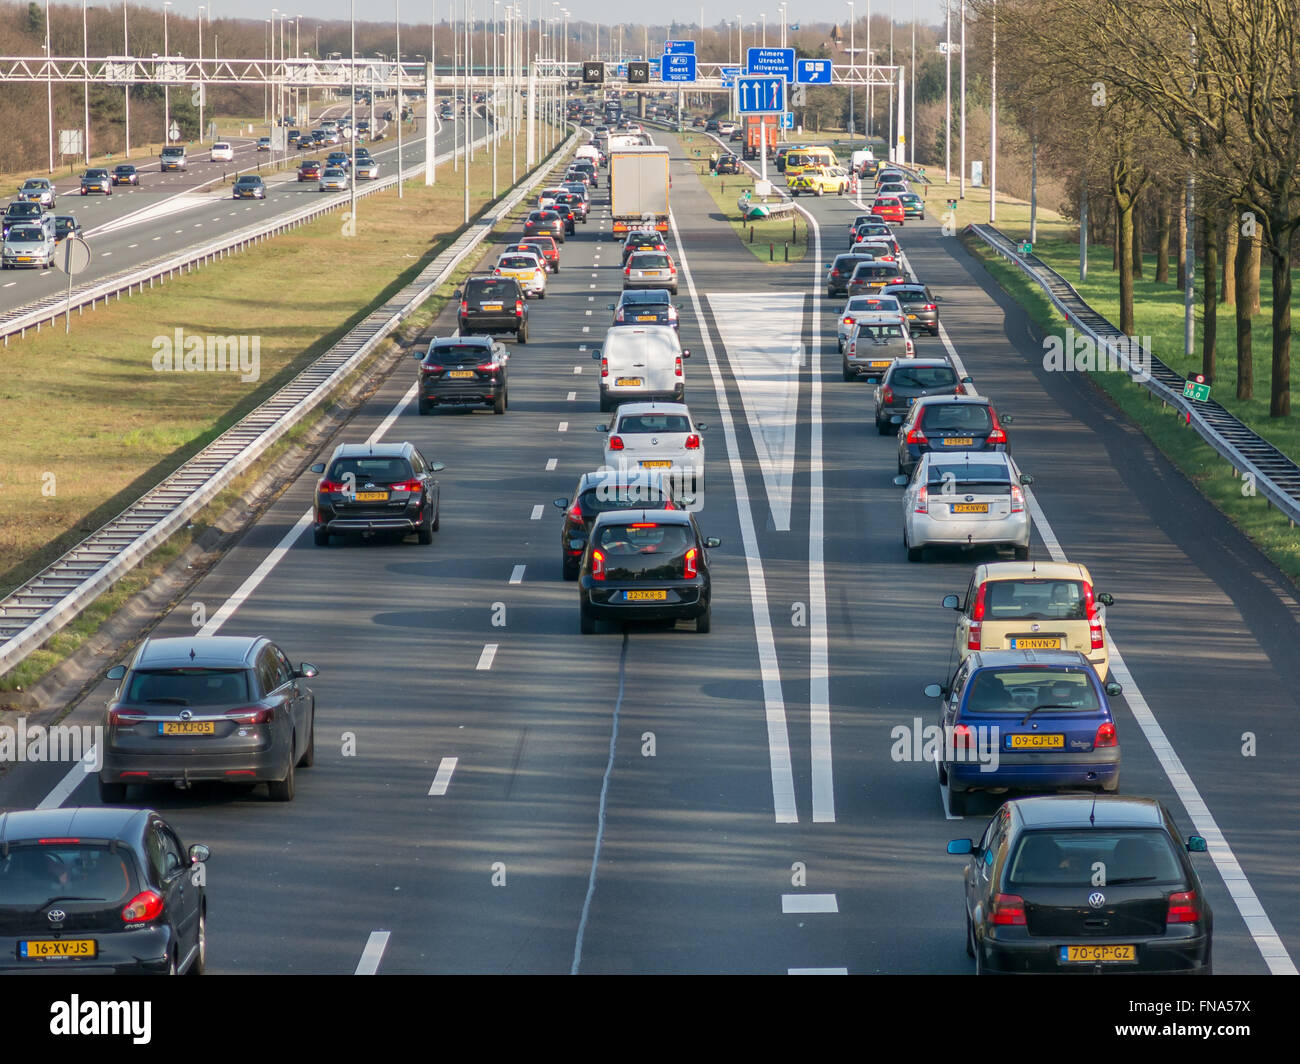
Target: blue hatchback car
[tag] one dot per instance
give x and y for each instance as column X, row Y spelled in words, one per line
column 1031, row 720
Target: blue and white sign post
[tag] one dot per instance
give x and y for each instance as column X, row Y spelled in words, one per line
column 761, row 95
column 677, row 67
column 779, row 61
column 679, row 47
column 813, row 72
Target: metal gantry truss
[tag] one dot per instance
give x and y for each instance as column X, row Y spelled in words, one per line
column 708, row 77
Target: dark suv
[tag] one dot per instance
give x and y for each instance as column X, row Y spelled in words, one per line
column 22, row 212
column 909, row 379
column 493, row 305
column 599, row 492
column 463, row 371
column 97, row 180
column 99, row 891
column 227, row 708
column 377, row 487
column 249, row 186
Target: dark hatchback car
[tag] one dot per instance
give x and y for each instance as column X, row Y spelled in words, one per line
column 906, row 381
column 950, row 423
column 728, row 164
column 545, row 223
column 66, row 225
column 208, row 708
column 574, row 203
column 1085, row 886
column 493, row 305
column 919, row 304
column 126, row 174
column 599, row 492
column 870, row 278
column 645, row 565
column 645, row 306
column 309, row 170
column 567, row 216
column 377, row 487
column 641, row 240
column 463, row 371
column 97, row 180
column 22, row 212
column 839, row 272
column 250, row 186
column 99, row 891
column 588, row 168
column 1026, row 720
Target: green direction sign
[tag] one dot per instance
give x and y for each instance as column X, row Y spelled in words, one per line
column 952, row 204
column 1199, row 392
column 1026, row 248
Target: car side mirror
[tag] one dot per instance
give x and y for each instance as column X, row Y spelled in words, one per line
column 951, row 602
column 1113, row 688
column 319, row 467
column 1196, row 844
column 199, row 853
column 306, row 671
column 968, row 380
column 613, row 307
column 686, row 353
column 458, row 294
column 713, row 541
column 934, row 690
column 596, row 355
column 896, row 420
column 961, row 847
column 418, row 354
column 901, row 480
column 116, row 672
column 1106, row 598
column 701, row 428
column 437, row 467
column 1026, row 479
column 1007, row 419
column 560, row 504
column 602, row 428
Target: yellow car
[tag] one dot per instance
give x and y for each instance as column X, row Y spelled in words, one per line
column 820, row 180
column 1032, row 606
column 525, row 268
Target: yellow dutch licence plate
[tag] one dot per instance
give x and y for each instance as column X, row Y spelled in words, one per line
column 64, row 947
column 1035, row 742
column 372, row 496
column 1098, row 954
column 958, row 441
column 647, row 317
column 645, row 596
column 1020, row 643
column 656, row 465
column 911, row 317
column 461, row 373
column 972, row 508
column 880, row 363
column 627, row 382
column 491, row 306
column 188, row 727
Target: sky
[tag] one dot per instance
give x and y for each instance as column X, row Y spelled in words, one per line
column 606, row 11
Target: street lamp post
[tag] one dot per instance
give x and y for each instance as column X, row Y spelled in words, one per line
column 993, row 122
column 126, row 89
column 853, row 66
column 397, row 10
column 962, row 186
column 947, row 94
column 167, row 69
column 202, row 86
column 49, row 85
column 352, row 67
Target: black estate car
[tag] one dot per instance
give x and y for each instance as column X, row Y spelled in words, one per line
column 493, row 305
column 376, row 487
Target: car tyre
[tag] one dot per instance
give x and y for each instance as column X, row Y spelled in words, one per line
column 309, row 755
column 437, row 519
column 958, row 802
column 200, row 963
column 499, row 404
column 605, row 405
column 1022, row 553
column 883, row 427
column 321, row 536
column 970, row 936
column 586, row 622
column 282, row 790
column 424, row 406
column 704, row 622
column 424, row 536
column 112, row 793
column 541, row 294
column 570, row 570
column 848, row 373
column 521, row 335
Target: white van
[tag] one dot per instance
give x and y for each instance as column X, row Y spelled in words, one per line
column 859, row 158
column 222, row 152
column 641, row 363
column 587, row 151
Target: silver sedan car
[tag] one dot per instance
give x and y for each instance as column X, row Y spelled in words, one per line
column 333, row 179
column 966, row 500
column 650, row 269
column 860, row 305
column 365, row 166
column 37, row 190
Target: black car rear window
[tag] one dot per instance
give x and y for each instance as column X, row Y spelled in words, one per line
column 646, row 296
column 847, row 263
column 371, row 470
column 922, row 376
column 491, row 289
column 966, row 417
column 1068, row 858
column 649, row 552
column 32, row 876
column 635, row 423
column 187, row 686
column 1018, row 690
column 910, row 297
column 870, row 271
column 459, row 354
column 606, row 497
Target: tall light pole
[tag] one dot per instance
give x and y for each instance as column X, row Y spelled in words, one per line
column 911, row 133
column 167, row 69
column 202, row 85
column 993, row 122
column 126, row 89
column 430, row 94
column 783, row 7
column 266, row 81
column 496, row 4
column 764, row 18
column 871, row 58
column 469, row 102
column 853, row 70
column 397, row 12
column 49, row 85
column 962, row 192
column 352, row 66
column 947, row 94
column 85, row 75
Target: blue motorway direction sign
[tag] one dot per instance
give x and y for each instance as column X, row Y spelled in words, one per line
column 787, row 120
column 729, row 75
column 813, row 72
column 679, row 47
column 761, row 95
column 678, row 67
column 771, row 61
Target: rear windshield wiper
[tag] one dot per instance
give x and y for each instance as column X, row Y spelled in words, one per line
column 1046, row 705
column 1129, row 879
column 64, row 897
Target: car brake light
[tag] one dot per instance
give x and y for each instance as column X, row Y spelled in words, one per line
column 519, row 306
column 886, row 395
column 1008, row 910
column 145, row 906
column 486, row 367
column 616, row 443
column 58, row 842
column 1105, row 736
column 597, row 565
column 928, row 306
column 464, row 305
column 916, row 435
column 1098, row 637
column 429, row 367
column 997, row 435
column 923, row 500
column 690, row 569
column 1184, row 908
column 627, row 270
column 963, row 738
column 692, row 442
column 678, row 368
column 977, row 618
column 575, row 511
column 326, row 487
column 1017, row 499
column 124, row 716
column 834, row 272
column 604, row 367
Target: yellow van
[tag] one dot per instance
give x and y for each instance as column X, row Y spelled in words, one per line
column 797, row 160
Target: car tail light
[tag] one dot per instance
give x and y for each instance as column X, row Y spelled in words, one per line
column 597, row 565
column 1105, row 736
column 145, row 906
column 911, row 347
column 429, row 367
column 691, row 569
column 886, row 394
column 604, row 367
column 1008, row 910
column 519, row 307
column 834, row 272
column 124, row 716
column 916, row 435
column 250, row 715
column 922, row 500
column 672, row 313
column 616, row 443
column 327, row 487
column 678, row 368
column 977, row 621
column 58, row 842
column 486, row 367
column 406, row 485
column 928, row 306
column 1017, row 499
column 963, row 738
column 692, row 442
column 1094, row 618
column 627, row 271
column 959, row 390
column 575, row 511
column 997, row 435
column 464, row 306
column 848, row 320
column 1184, row 908
column 618, row 314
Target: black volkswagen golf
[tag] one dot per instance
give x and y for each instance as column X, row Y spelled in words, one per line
column 99, row 891
column 463, row 371
column 1085, row 885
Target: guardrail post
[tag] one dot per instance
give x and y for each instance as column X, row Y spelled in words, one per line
column 771, row 251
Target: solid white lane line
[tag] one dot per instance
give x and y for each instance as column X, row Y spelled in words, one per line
column 373, row 953
column 255, row 578
column 538, row 510
column 809, row 903
column 393, row 414
column 443, row 778
column 778, row 734
column 517, row 574
column 489, row 652
column 818, row 971
column 71, row 780
column 130, row 246
column 550, row 464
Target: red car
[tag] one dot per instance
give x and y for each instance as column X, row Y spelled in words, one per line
column 309, row 171
column 890, row 208
column 547, row 246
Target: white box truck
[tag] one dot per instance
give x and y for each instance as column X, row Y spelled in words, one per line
column 639, row 184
